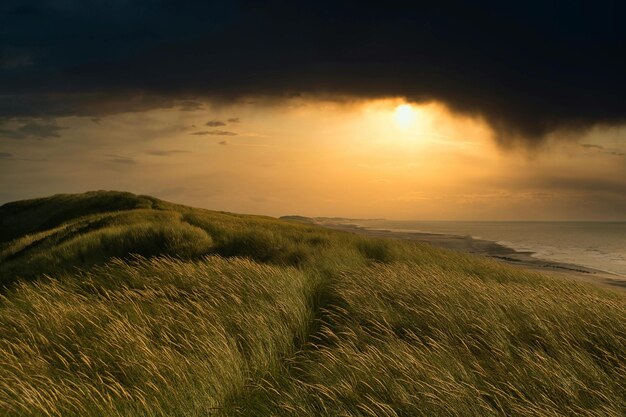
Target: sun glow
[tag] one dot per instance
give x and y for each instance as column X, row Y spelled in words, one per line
column 404, row 116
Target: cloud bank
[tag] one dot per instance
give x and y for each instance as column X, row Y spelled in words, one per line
column 528, row 69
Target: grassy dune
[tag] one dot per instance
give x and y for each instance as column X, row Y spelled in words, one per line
column 120, row 305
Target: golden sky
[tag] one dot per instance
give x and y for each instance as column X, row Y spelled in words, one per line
column 381, row 158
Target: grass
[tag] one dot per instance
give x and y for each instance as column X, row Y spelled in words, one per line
column 147, row 337
column 121, row 305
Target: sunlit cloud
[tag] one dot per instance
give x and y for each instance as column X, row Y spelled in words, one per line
column 326, row 158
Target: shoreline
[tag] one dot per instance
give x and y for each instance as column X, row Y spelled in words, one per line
column 491, row 250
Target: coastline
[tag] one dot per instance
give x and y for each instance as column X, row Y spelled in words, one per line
column 491, row 250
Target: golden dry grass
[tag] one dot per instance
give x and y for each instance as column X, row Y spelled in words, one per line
column 145, row 308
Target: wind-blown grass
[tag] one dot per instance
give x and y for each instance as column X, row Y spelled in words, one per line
column 121, row 305
column 147, row 337
column 408, row 340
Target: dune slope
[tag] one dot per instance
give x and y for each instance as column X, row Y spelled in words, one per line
column 114, row 304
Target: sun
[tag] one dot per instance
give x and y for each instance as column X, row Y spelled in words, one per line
column 404, row 116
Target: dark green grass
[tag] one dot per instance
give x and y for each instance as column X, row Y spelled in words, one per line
column 29, row 216
column 121, row 305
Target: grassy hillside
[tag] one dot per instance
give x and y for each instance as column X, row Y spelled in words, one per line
column 120, row 305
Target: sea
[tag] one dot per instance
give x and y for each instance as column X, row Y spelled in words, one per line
column 597, row 245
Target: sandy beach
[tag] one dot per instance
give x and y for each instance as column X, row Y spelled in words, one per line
column 492, row 250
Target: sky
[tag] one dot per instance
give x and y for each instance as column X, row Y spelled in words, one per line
column 401, row 110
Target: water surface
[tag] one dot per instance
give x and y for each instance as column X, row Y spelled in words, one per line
column 598, row 245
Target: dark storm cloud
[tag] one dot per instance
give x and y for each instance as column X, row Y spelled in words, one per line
column 528, row 68
column 223, row 142
column 33, row 129
column 6, row 155
column 234, row 120
column 191, row 105
column 14, row 58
